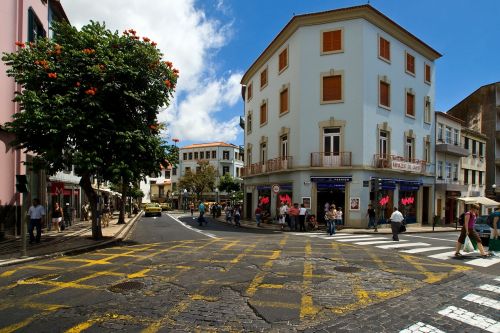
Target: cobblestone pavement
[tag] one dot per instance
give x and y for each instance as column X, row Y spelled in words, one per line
column 266, row 283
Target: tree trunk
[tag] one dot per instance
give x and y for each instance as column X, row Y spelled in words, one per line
column 121, row 218
column 92, row 195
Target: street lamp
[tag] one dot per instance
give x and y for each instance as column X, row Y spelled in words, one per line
column 217, row 194
column 494, row 187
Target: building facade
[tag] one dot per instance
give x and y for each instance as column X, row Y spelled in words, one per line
column 158, row 189
column 23, row 21
column 338, row 109
column 480, row 112
column 226, row 158
column 450, row 152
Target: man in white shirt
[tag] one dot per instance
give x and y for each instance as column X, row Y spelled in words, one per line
column 396, row 220
column 36, row 212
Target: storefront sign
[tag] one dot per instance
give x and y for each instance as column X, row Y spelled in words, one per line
column 406, row 166
column 57, row 188
column 339, row 179
column 276, row 188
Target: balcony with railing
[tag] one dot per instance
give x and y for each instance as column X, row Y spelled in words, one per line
column 399, row 163
column 331, row 160
column 452, row 148
column 450, row 184
column 272, row 165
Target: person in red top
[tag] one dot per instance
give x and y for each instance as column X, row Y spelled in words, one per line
column 294, row 212
column 468, row 230
column 258, row 214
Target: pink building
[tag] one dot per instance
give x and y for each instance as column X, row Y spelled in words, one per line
column 22, row 20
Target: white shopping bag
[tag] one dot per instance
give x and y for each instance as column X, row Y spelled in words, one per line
column 468, row 247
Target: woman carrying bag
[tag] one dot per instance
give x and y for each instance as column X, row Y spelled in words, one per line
column 468, row 231
column 57, row 217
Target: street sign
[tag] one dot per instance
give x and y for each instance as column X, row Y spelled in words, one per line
column 57, row 188
column 276, row 188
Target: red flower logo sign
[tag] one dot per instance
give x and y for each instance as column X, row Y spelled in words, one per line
column 286, row 199
column 383, row 201
column 407, row 201
column 264, row 201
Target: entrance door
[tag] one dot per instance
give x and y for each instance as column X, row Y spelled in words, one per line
column 248, row 210
column 335, row 196
column 331, row 146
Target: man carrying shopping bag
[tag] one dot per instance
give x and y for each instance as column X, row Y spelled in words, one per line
column 469, row 232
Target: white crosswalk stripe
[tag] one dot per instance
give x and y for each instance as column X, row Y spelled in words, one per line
column 421, row 327
column 490, row 287
column 427, row 249
column 481, row 300
column 398, row 245
column 352, row 239
column 471, row 318
column 375, row 240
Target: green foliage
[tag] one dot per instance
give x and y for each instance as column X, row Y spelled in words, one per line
column 201, row 181
column 227, row 184
column 90, row 98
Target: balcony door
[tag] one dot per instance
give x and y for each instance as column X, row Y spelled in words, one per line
column 331, row 146
column 284, row 151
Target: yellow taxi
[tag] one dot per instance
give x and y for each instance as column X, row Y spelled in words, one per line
column 165, row 206
column 152, row 209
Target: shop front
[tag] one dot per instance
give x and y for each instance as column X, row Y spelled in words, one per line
column 270, row 197
column 331, row 190
column 408, row 199
column 382, row 198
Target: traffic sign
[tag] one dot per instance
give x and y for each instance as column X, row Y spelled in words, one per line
column 276, row 188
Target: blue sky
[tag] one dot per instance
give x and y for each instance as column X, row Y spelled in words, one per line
column 213, row 42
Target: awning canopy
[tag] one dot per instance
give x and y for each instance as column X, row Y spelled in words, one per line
column 479, row 200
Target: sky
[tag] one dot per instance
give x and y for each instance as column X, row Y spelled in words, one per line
column 213, row 43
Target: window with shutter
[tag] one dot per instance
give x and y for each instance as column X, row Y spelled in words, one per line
column 332, row 88
column 385, row 94
column 263, row 78
column 283, row 60
column 250, row 92
column 427, row 73
column 284, row 101
column 332, row 41
column 410, row 64
column 410, row 104
column 384, row 49
column 263, row 114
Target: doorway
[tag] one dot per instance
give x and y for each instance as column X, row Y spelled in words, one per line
column 335, row 196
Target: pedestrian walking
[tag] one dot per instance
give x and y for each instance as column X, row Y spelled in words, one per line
column 302, row 218
column 213, row 209
column 201, row 218
column 229, row 213
column 36, row 213
column 372, row 221
column 191, row 208
column 494, row 243
column 258, row 214
column 293, row 212
column 237, row 216
column 339, row 216
column 330, row 220
column 396, row 220
column 57, row 217
column 468, row 231
column 283, row 215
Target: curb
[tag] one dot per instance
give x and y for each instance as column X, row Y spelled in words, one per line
column 116, row 239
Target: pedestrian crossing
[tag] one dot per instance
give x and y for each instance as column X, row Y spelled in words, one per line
column 462, row 314
column 385, row 242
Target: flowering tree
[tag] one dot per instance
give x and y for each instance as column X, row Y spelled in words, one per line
column 90, row 98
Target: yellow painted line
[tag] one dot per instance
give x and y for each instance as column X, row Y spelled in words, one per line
column 307, row 307
column 259, row 277
column 81, row 327
column 198, row 297
column 271, row 286
column 47, row 268
column 139, row 274
column 431, row 277
column 281, row 305
column 18, row 326
column 230, row 245
column 78, row 328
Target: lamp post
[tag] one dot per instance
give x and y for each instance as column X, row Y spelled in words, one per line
column 217, row 194
column 494, row 187
column 185, row 199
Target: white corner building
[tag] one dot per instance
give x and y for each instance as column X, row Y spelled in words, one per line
column 339, row 109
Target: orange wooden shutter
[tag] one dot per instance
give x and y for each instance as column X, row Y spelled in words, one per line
column 410, row 63
column 263, row 113
column 385, row 49
column 282, row 60
column 409, row 104
column 327, row 41
column 263, row 78
column 249, row 95
column 284, row 101
column 337, row 40
column 332, row 88
column 427, row 73
column 384, row 94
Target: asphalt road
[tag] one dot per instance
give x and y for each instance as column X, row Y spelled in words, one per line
column 171, row 275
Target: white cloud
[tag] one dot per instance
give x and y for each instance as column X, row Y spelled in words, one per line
column 189, row 39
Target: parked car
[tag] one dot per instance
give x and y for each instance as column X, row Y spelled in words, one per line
column 483, row 229
column 165, row 206
column 152, row 209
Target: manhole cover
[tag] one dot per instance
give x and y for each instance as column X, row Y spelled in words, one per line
column 347, row 269
column 126, row 286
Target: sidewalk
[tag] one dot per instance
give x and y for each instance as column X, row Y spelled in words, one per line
column 382, row 229
column 77, row 238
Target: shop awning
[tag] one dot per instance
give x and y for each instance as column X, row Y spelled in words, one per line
column 479, row 200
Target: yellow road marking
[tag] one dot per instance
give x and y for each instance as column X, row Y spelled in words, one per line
column 282, row 305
